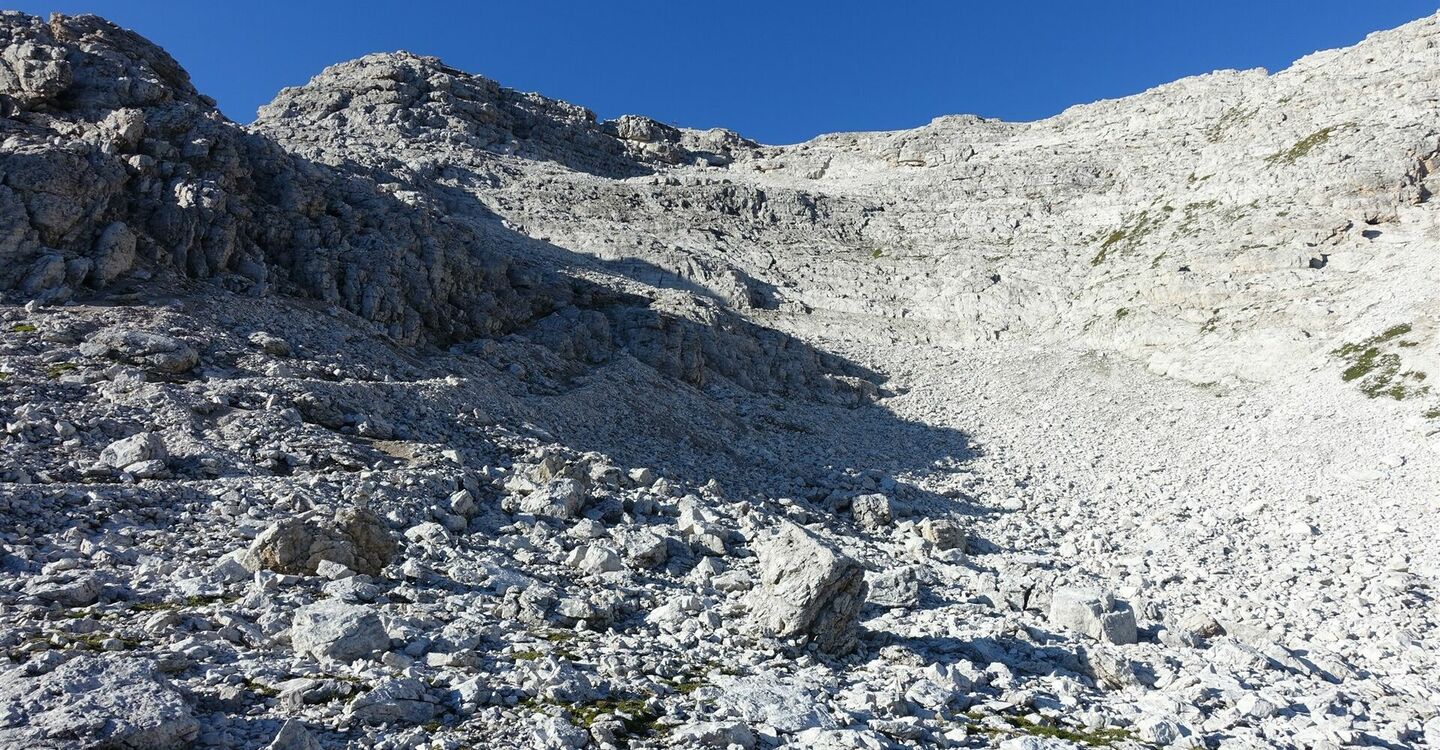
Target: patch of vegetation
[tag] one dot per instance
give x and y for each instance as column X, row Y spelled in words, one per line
column 1379, row 372
column 559, row 636
column 23, row 328
column 525, row 655
column 1302, row 147
column 1127, row 237
column 96, row 642
column 60, row 368
column 260, row 688
column 687, row 687
column 1192, row 212
column 1104, row 737
column 877, row 253
column 725, row 668
column 1211, row 323
column 1230, row 118
column 631, row 711
column 1122, row 313
column 1015, row 725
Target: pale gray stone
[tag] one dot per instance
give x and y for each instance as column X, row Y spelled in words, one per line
column 1094, row 613
column 807, row 589
column 337, row 631
column 109, row 702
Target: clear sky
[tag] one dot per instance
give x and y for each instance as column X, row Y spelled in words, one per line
column 778, row 71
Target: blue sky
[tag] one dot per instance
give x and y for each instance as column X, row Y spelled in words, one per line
column 776, row 71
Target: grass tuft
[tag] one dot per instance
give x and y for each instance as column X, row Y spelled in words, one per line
column 1302, row 147
column 1233, row 117
column 1127, row 237
column 1377, row 372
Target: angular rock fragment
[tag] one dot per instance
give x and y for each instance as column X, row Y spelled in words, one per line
column 555, row 733
column 142, row 446
column 270, row 344
column 403, row 701
column 354, row 537
column 337, row 631
column 559, row 498
column 768, row 698
column 944, row 533
column 807, row 589
column 872, row 512
column 594, row 559
column 714, row 734
column 1094, row 613
column 158, row 352
column 294, row 736
column 894, row 588
column 78, row 591
column 114, row 253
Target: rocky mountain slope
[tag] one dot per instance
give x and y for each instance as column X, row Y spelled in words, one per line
column 423, row 412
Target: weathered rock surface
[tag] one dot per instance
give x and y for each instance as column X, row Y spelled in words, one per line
column 294, row 736
column 142, row 446
column 332, row 630
column 354, row 537
column 103, row 702
column 161, row 353
column 807, row 589
column 405, row 701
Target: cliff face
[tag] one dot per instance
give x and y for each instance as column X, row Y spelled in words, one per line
column 1234, row 225
column 1218, row 227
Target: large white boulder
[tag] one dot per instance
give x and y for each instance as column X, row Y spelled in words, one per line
column 807, row 589
column 336, row 631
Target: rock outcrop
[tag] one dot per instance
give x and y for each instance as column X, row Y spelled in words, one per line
column 1094, row 613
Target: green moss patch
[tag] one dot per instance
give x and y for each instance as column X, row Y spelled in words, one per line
column 1303, row 147
column 1378, row 371
column 1104, row 737
column 1016, row 725
column 1231, row 118
column 1127, row 237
